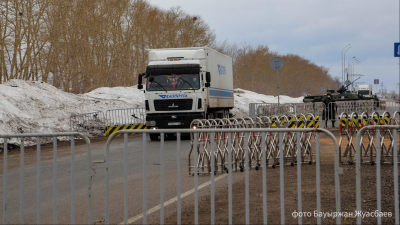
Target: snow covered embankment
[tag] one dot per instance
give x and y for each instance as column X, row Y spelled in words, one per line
column 243, row 98
column 35, row 107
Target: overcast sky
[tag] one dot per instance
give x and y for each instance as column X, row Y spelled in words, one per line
column 317, row 30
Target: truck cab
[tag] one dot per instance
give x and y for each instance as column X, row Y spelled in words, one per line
column 365, row 90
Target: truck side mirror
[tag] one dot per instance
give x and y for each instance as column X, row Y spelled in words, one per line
column 140, row 86
column 208, row 77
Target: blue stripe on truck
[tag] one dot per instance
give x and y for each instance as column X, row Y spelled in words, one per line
column 219, row 93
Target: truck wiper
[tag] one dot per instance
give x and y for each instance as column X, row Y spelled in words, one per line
column 187, row 83
column 153, row 81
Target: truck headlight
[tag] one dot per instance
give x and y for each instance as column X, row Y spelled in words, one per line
column 150, row 123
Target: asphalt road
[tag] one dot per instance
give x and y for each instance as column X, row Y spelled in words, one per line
column 134, row 158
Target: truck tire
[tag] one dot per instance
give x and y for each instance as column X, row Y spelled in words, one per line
column 154, row 137
column 226, row 114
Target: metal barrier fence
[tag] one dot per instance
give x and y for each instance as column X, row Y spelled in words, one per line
column 26, row 200
column 90, row 123
column 351, row 125
column 353, row 106
column 392, row 104
column 253, row 142
column 393, row 130
column 270, row 109
column 125, row 116
column 382, row 104
column 98, row 123
column 330, row 112
column 196, row 156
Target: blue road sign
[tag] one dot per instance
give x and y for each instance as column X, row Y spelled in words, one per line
column 396, row 49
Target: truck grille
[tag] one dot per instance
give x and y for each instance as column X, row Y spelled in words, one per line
column 173, row 105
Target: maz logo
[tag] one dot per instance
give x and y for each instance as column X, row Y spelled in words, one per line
column 173, row 106
column 221, row 70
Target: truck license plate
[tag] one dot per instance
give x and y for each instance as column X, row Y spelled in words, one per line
column 174, row 123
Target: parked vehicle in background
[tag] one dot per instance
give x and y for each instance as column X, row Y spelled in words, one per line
column 365, row 90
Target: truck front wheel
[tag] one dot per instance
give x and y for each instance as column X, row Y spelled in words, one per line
column 154, row 137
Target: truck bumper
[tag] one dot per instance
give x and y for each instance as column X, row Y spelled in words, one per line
column 172, row 120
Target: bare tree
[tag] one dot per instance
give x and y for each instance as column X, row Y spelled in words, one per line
column 80, row 45
column 252, row 71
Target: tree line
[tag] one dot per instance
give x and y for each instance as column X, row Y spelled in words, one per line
column 79, row 45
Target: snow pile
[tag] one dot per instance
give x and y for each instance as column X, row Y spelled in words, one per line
column 36, row 107
column 243, row 98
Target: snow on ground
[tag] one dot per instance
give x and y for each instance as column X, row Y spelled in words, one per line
column 243, row 98
column 37, row 107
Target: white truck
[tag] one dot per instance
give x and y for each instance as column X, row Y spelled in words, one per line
column 183, row 84
column 365, row 90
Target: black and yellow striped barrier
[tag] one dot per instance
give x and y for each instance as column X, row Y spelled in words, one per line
column 114, row 128
column 283, row 120
column 365, row 121
column 273, row 122
column 385, row 117
column 292, row 123
column 300, row 121
column 310, row 122
column 343, row 120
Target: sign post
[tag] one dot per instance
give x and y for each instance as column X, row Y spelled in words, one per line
column 277, row 64
column 376, row 82
column 397, row 54
column 338, row 84
column 397, row 49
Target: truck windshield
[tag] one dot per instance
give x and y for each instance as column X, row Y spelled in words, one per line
column 363, row 92
column 173, row 82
